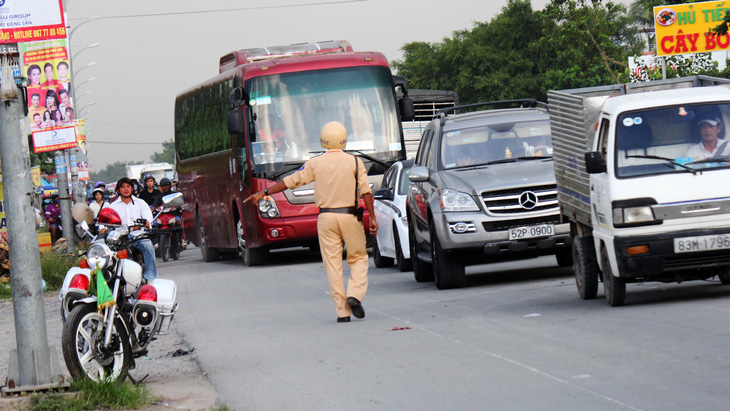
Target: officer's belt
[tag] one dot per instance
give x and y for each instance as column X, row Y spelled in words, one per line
column 341, row 210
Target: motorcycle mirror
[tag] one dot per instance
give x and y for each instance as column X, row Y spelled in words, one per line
column 173, row 200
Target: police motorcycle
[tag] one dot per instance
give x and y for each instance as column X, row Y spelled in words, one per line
column 110, row 313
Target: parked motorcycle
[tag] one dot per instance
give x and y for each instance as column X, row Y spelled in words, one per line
column 169, row 230
column 110, row 313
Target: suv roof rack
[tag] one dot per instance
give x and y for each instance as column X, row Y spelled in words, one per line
column 523, row 102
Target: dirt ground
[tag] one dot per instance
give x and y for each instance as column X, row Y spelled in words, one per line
column 178, row 381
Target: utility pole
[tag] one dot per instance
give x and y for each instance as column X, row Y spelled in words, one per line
column 33, row 365
column 67, row 221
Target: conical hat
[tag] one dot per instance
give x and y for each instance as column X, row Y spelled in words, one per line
column 82, row 212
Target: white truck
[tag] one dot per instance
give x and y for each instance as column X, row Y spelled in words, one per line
column 646, row 191
column 157, row 170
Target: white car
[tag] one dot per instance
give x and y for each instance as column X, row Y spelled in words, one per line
column 391, row 242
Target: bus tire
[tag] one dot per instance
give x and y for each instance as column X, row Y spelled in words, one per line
column 251, row 256
column 209, row 254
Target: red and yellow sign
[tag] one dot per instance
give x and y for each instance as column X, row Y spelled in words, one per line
column 24, row 20
column 684, row 28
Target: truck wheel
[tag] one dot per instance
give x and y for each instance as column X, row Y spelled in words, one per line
column 724, row 275
column 585, row 267
column 564, row 257
column 614, row 287
column 422, row 271
column 378, row 259
column 208, row 253
column 447, row 272
column 404, row 264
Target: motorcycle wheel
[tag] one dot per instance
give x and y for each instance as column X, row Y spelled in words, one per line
column 82, row 332
column 165, row 247
column 175, row 246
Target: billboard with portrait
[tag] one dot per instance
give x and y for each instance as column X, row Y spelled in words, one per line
column 46, row 65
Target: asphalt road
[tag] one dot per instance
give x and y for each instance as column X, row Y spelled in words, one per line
column 517, row 337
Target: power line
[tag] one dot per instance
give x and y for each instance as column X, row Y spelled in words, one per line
column 283, row 6
column 125, row 125
column 120, row 142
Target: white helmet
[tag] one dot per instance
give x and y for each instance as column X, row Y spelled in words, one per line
column 333, row 135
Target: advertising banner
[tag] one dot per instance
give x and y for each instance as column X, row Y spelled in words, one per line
column 81, row 135
column 56, row 139
column 684, row 28
column 50, row 103
column 24, row 20
column 35, row 174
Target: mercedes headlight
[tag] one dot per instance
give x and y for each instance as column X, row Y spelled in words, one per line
column 452, row 200
column 268, row 208
column 99, row 255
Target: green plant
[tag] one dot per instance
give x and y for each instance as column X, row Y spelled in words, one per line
column 5, row 291
column 95, row 395
column 54, row 267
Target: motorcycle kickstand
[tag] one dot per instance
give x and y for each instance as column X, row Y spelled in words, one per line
column 137, row 382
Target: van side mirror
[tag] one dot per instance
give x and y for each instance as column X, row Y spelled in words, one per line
column 594, row 163
column 235, row 122
column 407, row 110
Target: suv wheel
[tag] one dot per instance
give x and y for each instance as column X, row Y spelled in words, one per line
column 448, row 272
column 422, row 271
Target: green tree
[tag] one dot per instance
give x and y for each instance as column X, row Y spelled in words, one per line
column 523, row 53
column 111, row 173
column 167, row 155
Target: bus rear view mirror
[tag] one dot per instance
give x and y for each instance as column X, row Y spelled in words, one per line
column 407, row 111
column 237, row 97
column 235, row 122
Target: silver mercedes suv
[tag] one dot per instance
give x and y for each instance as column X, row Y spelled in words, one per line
column 483, row 190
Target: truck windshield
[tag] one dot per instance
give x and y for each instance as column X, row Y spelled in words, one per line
column 290, row 109
column 496, row 142
column 672, row 139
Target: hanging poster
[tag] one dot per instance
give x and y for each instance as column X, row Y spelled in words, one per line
column 23, row 20
column 50, row 103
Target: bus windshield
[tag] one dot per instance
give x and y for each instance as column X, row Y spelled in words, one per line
column 290, row 109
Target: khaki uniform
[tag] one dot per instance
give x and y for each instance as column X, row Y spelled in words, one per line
column 333, row 174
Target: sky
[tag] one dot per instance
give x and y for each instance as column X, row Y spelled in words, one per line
column 151, row 50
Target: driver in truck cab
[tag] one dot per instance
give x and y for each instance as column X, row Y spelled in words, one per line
column 710, row 129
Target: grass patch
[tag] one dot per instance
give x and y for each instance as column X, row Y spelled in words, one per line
column 90, row 395
column 5, row 291
column 53, row 269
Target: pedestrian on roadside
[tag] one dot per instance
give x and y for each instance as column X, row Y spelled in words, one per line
column 339, row 177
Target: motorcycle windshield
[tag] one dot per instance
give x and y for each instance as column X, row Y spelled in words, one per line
column 289, row 110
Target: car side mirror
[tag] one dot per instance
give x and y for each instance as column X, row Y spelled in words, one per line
column 594, row 163
column 419, row 174
column 383, row 194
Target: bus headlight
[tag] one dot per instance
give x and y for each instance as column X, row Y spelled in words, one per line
column 268, row 208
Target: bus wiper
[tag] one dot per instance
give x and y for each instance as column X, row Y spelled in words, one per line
column 667, row 159
column 371, row 158
column 285, row 170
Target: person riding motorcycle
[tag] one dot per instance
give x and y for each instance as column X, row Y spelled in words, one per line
column 52, row 213
column 98, row 202
column 149, row 193
column 165, row 189
column 130, row 211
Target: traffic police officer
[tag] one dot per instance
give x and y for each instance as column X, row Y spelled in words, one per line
column 334, row 193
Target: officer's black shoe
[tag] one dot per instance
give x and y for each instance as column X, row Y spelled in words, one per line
column 357, row 309
column 343, row 319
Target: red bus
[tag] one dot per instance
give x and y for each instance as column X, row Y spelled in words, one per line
column 259, row 120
